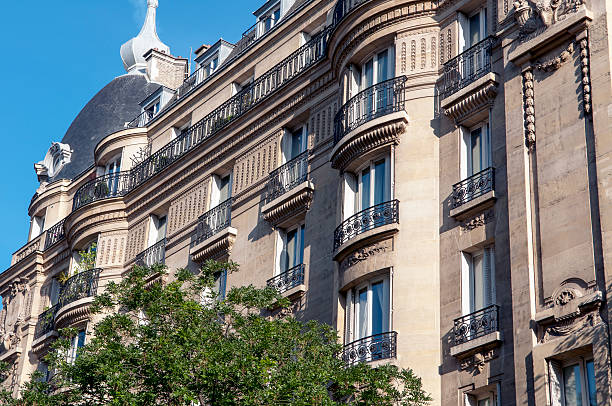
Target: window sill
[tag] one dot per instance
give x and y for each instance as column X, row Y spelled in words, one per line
column 470, row 347
column 474, row 206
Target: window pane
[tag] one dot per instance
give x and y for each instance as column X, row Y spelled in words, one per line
column 383, row 66
column 478, row 294
column 369, row 73
column 224, row 189
column 365, row 189
column 296, row 143
column 378, row 311
column 379, row 182
column 362, row 326
column 571, row 386
column 300, row 256
column 484, row 402
column 291, row 249
column 590, row 372
column 476, row 151
column 474, row 29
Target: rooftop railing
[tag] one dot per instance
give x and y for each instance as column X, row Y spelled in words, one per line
column 103, row 187
column 373, row 348
column 368, row 219
column 475, row 325
column 376, row 101
column 468, row 66
column 82, row 285
column 213, row 221
column 288, row 279
column 287, row 176
column 155, row 254
column 473, row 187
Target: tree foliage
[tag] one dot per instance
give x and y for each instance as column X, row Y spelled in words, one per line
column 178, row 343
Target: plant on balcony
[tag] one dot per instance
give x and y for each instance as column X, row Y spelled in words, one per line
column 181, row 343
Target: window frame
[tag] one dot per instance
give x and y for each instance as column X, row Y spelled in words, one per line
column 466, row 162
column 371, row 165
column 281, row 257
column 560, row 367
column 352, row 314
column 468, row 279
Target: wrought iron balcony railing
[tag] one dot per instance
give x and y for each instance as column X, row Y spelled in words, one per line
column 473, row 187
column 475, row 325
column 213, row 221
column 368, row 219
column 373, row 348
column 103, row 187
column 82, row 285
column 344, row 7
column 376, row 101
column 236, row 106
column 288, row 279
column 141, row 120
column 54, row 234
column 46, row 322
column 465, row 68
column 155, row 254
column 287, row 176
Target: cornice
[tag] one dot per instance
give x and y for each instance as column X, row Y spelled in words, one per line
column 292, row 205
column 216, row 247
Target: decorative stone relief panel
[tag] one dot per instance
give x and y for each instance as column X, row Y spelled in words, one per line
column 111, row 250
column 321, row 127
column 256, row 164
column 137, row 238
column 477, row 221
column 534, row 17
column 422, row 46
column 362, row 254
column 188, row 207
column 13, row 314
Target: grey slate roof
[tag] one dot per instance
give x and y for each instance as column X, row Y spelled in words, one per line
column 106, row 113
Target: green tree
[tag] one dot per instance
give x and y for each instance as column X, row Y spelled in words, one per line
column 178, row 343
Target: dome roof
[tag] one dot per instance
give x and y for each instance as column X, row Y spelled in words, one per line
column 106, row 113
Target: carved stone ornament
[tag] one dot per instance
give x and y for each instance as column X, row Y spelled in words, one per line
column 528, row 108
column 541, row 14
column 569, row 326
column 556, row 62
column 364, row 253
column 58, row 155
column 13, row 315
column 478, row 221
column 476, row 362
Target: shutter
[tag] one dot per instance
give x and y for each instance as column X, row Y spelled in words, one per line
column 464, row 32
column 348, row 317
column 286, row 146
column 466, row 161
column 466, row 285
column 350, row 194
column 555, row 379
column 487, row 286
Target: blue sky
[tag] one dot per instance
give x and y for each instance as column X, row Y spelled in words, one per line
column 56, row 55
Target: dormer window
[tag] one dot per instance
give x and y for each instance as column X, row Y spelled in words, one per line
column 271, row 19
column 268, row 16
column 153, row 108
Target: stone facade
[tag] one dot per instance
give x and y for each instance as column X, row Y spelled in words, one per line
column 451, row 160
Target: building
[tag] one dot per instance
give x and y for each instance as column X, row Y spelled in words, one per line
column 431, row 177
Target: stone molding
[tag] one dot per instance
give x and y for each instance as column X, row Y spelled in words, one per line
column 29, row 248
column 292, row 205
column 472, row 99
column 377, row 133
column 41, row 344
column 480, row 203
column 74, row 313
column 216, row 247
column 367, row 238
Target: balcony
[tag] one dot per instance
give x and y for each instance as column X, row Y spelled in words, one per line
column 289, row 193
column 467, row 67
column 46, row 322
column 54, row 234
column 82, row 285
column 373, row 348
column 103, row 187
column 155, row 254
column 474, row 331
column 141, row 120
column 473, row 194
column 344, row 7
column 369, row 219
column 288, row 281
column 214, row 236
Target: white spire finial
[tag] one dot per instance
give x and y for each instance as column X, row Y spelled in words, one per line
column 132, row 51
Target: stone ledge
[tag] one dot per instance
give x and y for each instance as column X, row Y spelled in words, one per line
column 472, row 346
column 368, row 237
column 471, row 99
column 73, row 313
column 290, row 207
column 11, row 355
column 215, row 247
column 381, row 131
column 295, row 291
column 473, row 206
column 41, row 342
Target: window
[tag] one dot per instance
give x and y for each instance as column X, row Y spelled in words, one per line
column 78, row 341
column 43, row 368
column 368, row 309
column 369, row 187
column 478, row 280
column 54, row 291
column 270, row 19
column 290, row 249
column 294, row 143
column 572, row 383
column 77, row 260
column 221, row 189
column 486, row 399
column 157, row 229
column 153, row 108
column 218, row 292
column 476, row 149
column 37, row 226
column 473, row 28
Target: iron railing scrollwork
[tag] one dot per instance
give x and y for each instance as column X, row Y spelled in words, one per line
column 373, row 348
column 213, row 221
column 141, row 120
column 376, row 101
column 475, row 325
column 155, row 254
column 46, row 322
column 54, row 234
column 465, row 68
column 103, row 187
column 82, row 285
column 368, row 219
column 288, row 279
column 473, row 187
column 287, row 176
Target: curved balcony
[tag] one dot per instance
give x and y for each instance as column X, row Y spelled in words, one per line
column 103, row 187
column 373, row 217
column 71, row 307
column 377, row 347
column 155, row 254
column 344, row 7
column 289, row 279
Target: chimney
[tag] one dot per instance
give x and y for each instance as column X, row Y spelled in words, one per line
column 166, row 69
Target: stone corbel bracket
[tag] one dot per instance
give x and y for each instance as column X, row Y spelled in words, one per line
column 217, row 247
column 377, row 133
column 289, row 208
column 472, row 99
